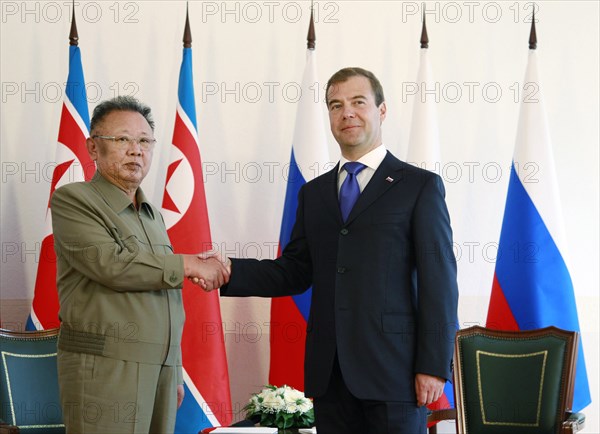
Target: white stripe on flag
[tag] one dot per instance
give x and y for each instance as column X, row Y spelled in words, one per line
column 34, row 319
column 187, row 122
column 200, row 399
column 310, row 142
column 534, row 159
column 424, row 140
column 76, row 116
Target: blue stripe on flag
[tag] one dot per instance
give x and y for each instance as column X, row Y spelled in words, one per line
column 534, row 277
column 76, row 91
column 191, row 419
column 186, row 89
column 295, row 182
column 29, row 325
column 449, row 392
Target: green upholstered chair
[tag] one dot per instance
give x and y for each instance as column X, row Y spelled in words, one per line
column 514, row 382
column 29, row 396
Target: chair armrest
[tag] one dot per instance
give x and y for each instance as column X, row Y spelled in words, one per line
column 8, row 429
column 575, row 422
column 439, row 415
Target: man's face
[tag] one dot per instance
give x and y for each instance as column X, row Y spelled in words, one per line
column 123, row 164
column 354, row 117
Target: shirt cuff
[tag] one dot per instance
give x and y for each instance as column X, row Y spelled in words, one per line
column 173, row 271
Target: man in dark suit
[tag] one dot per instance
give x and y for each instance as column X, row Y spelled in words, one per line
column 384, row 302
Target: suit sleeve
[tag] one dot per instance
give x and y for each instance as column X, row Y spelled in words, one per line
column 290, row 274
column 437, row 290
column 83, row 238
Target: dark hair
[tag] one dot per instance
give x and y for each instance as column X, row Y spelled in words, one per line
column 120, row 104
column 345, row 73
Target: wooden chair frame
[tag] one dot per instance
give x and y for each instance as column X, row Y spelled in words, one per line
column 571, row 423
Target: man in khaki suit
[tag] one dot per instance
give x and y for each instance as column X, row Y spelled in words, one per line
column 119, row 284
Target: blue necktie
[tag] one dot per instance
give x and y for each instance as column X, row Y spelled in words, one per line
column 350, row 190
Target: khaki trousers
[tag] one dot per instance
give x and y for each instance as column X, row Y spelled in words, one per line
column 100, row 395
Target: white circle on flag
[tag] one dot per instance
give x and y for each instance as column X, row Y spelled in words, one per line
column 179, row 189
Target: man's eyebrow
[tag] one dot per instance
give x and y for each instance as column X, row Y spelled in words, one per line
column 331, row 101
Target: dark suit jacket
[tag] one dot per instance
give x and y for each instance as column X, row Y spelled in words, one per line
column 384, row 283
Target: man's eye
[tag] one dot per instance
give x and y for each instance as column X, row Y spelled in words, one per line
column 144, row 141
column 123, row 140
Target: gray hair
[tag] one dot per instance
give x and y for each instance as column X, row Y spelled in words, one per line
column 124, row 103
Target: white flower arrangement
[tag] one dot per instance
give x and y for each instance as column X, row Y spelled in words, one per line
column 281, row 407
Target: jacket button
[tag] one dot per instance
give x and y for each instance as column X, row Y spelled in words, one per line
column 344, row 231
column 341, row 270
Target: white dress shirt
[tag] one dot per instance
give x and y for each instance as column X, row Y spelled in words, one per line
column 371, row 159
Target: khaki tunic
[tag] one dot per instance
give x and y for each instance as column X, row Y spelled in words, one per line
column 119, row 283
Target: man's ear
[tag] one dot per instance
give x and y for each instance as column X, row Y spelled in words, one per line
column 382, row 111
column 92, row 148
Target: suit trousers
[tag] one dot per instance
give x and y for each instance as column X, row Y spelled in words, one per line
column 338, row 411
column 100, row 395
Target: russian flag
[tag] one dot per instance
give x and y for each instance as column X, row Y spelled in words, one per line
column 309, row 159
column 207, row 401
column 424, row 151
column 72, row 164
column 532, row 287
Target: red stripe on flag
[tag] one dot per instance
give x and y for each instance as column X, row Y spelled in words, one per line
column 441, row 404
column 45, row 303
column 70, row 135
column 58, row 173
column 288, row 335
column 500, row 316
column 195, row 220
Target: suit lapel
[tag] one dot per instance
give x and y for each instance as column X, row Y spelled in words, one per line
column 386, row 176
column 329, row 192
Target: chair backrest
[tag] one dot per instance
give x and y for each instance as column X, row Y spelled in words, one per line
column 509, row 382
column 29, row 395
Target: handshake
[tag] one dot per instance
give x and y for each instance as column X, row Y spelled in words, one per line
column 209, row 270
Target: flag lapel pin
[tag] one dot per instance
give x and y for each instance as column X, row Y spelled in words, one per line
column 389, row 179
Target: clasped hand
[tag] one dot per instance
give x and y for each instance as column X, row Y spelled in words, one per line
column 209, row 270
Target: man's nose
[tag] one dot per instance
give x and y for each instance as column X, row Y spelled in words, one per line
column 134, row 148
column 348, row 112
